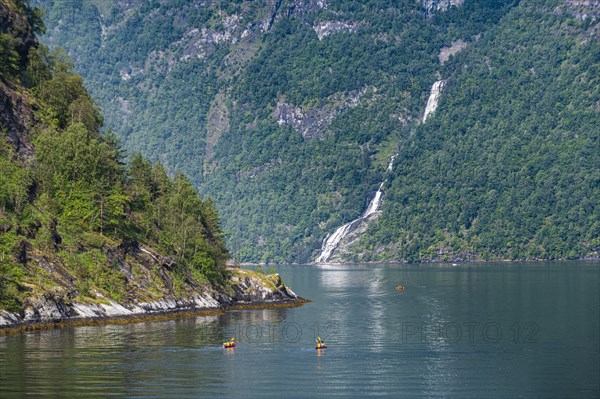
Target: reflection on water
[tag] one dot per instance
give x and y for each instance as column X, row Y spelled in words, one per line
column 466, row 331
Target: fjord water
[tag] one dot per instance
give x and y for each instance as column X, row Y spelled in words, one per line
column 469, row 331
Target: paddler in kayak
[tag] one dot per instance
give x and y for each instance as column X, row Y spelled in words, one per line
column 230, row 344
column 320, row 343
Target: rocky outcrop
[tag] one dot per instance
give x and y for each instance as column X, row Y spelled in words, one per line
column 153, row 285
column 431, row 6
column 246, row 288
column 454, row 48
column 217, row 124
column 301, row 8
column 328, row 28
column 14, row 22
column 200, row 42
column 314, row 122
column 584, row 9
column 250, row 288
column 16, row 114
column 47, row 309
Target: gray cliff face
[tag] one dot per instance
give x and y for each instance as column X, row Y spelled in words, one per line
column 202, row 42
column 328, row 28
column 431, row 6
column 16, row 113
column 313, row 122
column 16, row 116
column 447, row 52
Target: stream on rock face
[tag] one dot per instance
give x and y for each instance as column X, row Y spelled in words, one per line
column 502, row 330
column 331, row 242
column 434, row 98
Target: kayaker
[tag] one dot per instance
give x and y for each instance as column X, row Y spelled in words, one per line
column 320, row 343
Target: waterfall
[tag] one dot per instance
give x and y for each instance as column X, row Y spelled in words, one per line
column 103, row 32
column 331, row 242
column 391, row 163
column 374, row 204
column 434, row 97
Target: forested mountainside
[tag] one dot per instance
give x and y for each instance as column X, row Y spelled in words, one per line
column 509, row 167
column 76, row 224
column 287, row 112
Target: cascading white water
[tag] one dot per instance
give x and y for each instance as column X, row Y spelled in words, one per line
column 434, row 98
column 391, row 163
column 332, row 241
column 375, row 202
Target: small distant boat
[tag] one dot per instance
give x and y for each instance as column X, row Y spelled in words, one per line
column 230, row 344
column 399, row 288
column 323, row 346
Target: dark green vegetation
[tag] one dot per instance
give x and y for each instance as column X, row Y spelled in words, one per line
column 290, row 132
column 510, row 165
column 71, row 212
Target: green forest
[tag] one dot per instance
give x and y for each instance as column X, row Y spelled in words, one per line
column 74, row 207
column 507, row 168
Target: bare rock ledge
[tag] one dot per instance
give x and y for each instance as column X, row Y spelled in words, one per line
column 247, row 289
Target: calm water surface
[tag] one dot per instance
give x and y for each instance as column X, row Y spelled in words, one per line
column 470, row 331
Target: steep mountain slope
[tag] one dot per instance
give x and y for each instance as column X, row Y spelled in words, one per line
column 509, row 165
column 286, row 112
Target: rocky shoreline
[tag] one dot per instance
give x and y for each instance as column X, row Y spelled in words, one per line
column 248, row 291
